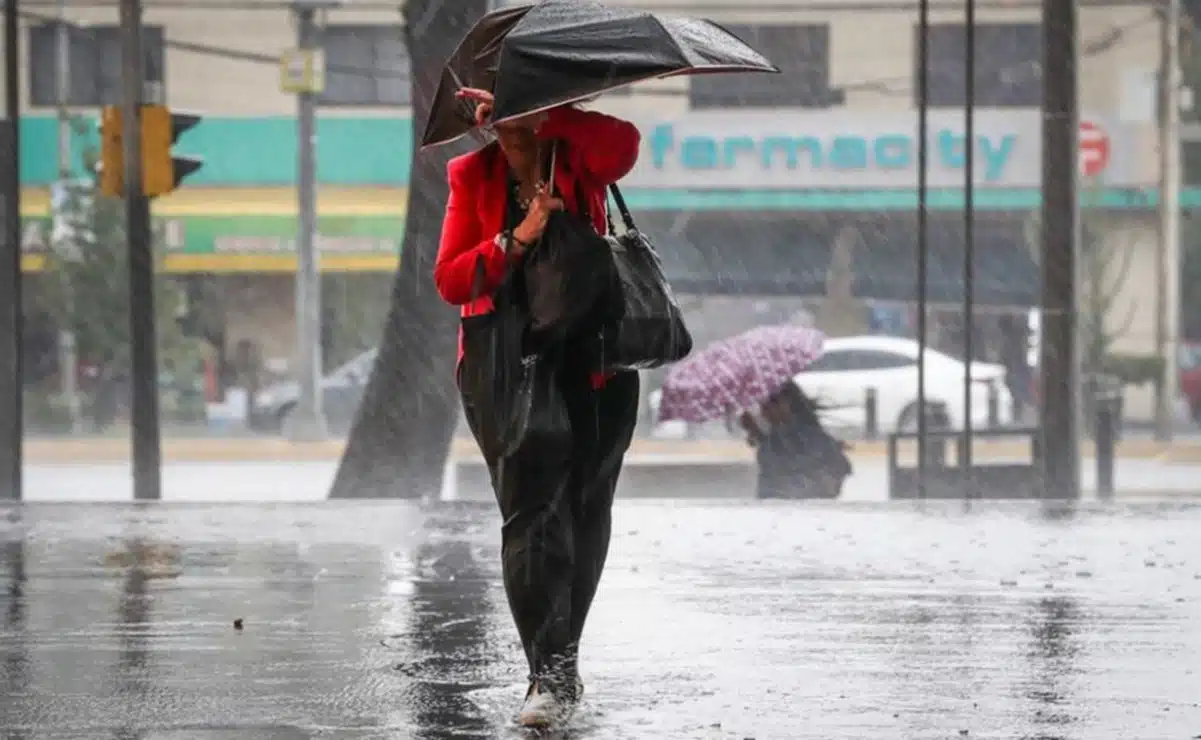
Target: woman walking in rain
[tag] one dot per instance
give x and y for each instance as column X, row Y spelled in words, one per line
column 556, row 510
column 797, row 457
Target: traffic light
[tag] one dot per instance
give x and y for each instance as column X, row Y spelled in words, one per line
column 111, row 168
column 162, row 172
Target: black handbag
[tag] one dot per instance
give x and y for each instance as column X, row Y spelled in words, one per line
column 511, row 394
column 569, row 275
column 650, row 330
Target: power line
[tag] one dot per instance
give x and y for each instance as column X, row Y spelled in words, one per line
column 221, row 52
column 808, row 6
column 888, row 86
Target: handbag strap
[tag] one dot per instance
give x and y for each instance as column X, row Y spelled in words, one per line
column 550, row 173
column 627, row 219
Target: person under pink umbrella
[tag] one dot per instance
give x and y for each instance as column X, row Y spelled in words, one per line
column 797, row 456
column 750, row 376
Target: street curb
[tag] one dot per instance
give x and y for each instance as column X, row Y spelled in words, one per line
column 83, row 451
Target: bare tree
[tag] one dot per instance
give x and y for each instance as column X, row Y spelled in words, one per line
column 841, row 313
column 1104, row 269
column 400, row 438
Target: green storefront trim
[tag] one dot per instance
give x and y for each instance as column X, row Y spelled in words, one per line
column 250, row 151
column 357, row 235
column 884, row 200
column 376, row 152
column 277, row 234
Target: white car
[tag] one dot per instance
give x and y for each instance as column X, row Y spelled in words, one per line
column 849, row 366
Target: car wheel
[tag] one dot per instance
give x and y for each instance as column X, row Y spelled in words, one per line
column 907, row 421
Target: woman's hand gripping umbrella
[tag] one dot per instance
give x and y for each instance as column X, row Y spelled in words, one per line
column 737, row 374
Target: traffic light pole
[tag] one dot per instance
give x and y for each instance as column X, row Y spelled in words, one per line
column 1167, row 257
column 308, row 421
column 147, row 456
column 1059, row 396
column 11, row 375
column 68, row 361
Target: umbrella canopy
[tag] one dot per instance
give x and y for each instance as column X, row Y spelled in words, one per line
column 472, row 64
column 563, row 51
column 738, row 373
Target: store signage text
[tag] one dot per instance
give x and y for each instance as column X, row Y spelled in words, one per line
column 842, row 152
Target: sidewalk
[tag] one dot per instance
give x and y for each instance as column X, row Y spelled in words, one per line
column 219, row 450
column 360, row 620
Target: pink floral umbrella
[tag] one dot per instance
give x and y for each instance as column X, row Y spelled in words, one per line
column 738, row 373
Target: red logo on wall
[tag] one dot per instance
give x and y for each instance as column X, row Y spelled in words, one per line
column 1094, row 149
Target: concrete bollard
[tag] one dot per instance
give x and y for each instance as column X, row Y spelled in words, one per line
column 936, row 447
column 871, row 415
column 1105, row 438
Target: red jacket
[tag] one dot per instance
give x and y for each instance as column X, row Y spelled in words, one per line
column 599, row 151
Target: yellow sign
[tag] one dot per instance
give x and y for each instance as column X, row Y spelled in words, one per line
column 252, row 230
column 302, row 71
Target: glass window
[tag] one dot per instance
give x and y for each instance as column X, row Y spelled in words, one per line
column 830, row 362
column 879, row 360
column 94, row 61
column 802, row 52
column 859, row 359
column 366, row 65
column 1008, row 67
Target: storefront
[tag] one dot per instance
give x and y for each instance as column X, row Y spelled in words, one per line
column 760, row 203
column 821, row 204
column 233, row 252
column 779, row 205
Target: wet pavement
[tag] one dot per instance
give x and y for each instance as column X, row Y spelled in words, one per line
column 715, row 620
column 310, row 481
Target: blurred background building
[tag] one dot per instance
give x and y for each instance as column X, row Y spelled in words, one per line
column 787, row 197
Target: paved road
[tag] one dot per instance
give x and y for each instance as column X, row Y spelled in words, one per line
column 715, row 621
column 310, row 481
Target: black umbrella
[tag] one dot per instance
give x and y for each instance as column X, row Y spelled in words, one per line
column 564, row 51
column 473, row 64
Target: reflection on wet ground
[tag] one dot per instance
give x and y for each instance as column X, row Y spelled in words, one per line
column 714, row 621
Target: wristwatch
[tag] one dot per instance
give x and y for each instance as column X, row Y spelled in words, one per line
column 505, row 239
column 502, row 240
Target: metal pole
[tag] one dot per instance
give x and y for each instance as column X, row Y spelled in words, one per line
column 969, row 241
column 1060, row 216
column 308, row 422
column 11, row 373
column 1167, row 262
column 1105, row 439
column 147, row 455
column 923, row 158
column 68, row 364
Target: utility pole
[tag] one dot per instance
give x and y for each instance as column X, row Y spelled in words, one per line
column 147, row 455
column 11, row 374
column 1059, row 361
column 308, row 420
column 1167, row 257
column 68, row 363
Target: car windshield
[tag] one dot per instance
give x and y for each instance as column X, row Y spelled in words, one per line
column 908, row 352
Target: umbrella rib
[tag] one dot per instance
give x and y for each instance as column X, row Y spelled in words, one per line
column 679, row 49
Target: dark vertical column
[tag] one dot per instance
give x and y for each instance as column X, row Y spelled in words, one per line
column 923, row 158
column 969, row 240
column 11, row 380
column 147, row 457
column 1059, row 393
